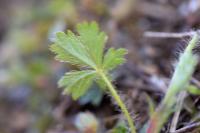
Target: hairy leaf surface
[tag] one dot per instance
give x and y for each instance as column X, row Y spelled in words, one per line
column 93, row 39
column 86, row 50
column 77, row 82
column 113, row 58
column 73, row 48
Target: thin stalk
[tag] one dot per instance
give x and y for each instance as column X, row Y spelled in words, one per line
column 179, row 105
column 119, row 102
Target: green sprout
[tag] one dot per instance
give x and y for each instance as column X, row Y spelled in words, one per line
column 86, row 50
column 179, row 82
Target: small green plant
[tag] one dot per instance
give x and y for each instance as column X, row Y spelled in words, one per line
column 86, row 50
column 179, row 82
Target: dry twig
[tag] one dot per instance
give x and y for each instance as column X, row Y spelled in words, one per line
column 180, row 100
column 188, row 128
column 168, row 34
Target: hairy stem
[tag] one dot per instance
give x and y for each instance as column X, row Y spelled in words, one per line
column 119, row 102
column 179, row 82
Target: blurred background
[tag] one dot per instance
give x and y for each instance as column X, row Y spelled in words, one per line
column 31, row 102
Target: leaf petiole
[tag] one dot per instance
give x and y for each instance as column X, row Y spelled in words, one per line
column 119, row 101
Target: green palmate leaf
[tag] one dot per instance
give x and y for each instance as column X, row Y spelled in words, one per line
column 113, row 58
column 93, row 39
column 77, row 82
column 63, row 56
column 85, row 50
column 70, row 48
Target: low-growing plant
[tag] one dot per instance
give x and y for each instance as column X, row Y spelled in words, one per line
column 86, row 50
column 179, row 83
